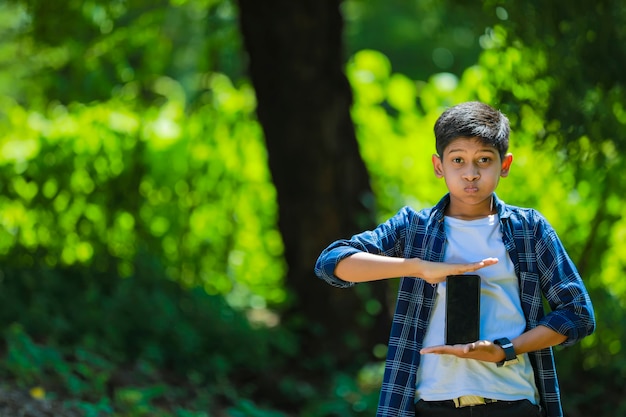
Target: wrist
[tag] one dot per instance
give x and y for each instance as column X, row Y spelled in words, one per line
column 423, row 269
column 503, row 354
column 510, row 356
column 416, row 267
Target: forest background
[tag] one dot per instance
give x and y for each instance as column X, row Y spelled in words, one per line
column 170, row 170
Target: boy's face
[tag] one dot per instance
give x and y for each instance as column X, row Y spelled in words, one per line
column 472, row 171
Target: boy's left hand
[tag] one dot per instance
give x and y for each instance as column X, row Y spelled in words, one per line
column 482, row 350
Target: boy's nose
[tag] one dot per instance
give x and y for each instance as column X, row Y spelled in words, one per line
column 471, row 175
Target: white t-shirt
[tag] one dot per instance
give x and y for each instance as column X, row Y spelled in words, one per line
column 444, row 377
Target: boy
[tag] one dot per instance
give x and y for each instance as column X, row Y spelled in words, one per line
column 510, row 371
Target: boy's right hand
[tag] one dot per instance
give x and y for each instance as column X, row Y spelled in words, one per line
column 436, row 272
column 363, row 267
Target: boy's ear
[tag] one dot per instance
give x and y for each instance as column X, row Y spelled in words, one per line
column 506, row 164
column 437, row 166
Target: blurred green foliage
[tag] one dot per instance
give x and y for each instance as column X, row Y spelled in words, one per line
column 87, row 50
column 420, row 37
column 141, row 259
column 96, row 184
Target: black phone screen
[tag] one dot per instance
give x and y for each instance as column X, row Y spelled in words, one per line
column 462, row 309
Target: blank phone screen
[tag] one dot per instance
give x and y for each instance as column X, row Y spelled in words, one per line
column 462, row 309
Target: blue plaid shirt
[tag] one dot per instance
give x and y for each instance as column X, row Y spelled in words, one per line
column 542, row 266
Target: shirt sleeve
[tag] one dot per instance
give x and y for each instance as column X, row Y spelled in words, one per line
column 386, row 239
column 572, row 312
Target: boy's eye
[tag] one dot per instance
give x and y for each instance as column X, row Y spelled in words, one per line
column 457, row 160
column 484, row 159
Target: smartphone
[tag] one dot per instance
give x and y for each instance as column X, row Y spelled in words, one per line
column 462, row 309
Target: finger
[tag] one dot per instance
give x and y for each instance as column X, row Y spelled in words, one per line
column 428, row 350
column 434, row 349
column 489, row 261
column 485, row 262
column 470, row 347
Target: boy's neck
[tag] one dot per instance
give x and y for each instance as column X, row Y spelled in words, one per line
column 464, row 212
column 469, row 217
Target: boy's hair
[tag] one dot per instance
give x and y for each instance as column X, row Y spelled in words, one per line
column 469, row 120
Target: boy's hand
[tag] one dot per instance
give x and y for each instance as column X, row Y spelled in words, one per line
column 482, row 350
column 436, row 272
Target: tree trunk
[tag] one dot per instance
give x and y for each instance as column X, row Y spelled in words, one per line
column 296, row 65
